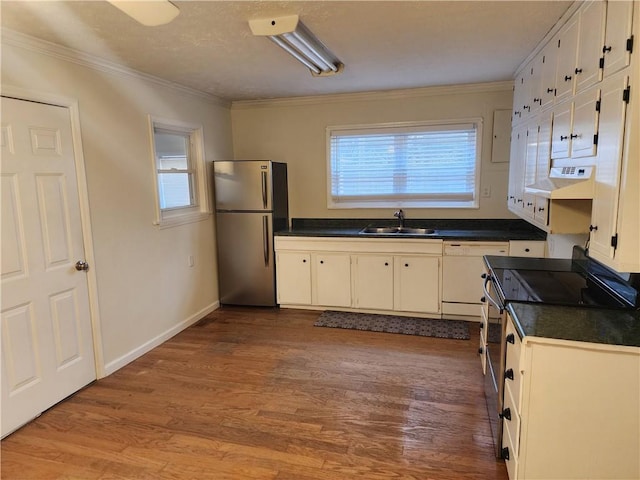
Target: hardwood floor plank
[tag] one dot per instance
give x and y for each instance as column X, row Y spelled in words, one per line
column 261, row 394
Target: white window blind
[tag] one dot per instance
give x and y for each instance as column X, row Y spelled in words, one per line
column 434, row 165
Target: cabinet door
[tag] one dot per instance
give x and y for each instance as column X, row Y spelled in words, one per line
column 519, row 96
column 617, row 33
column 516, row 168
column 417, row 284
column 607, row 176
column 530, row 169
column 332, row 279
column 460, row 279
column 585, row 124
column 567, row 49
column 592, row 20
column 373, row 281
column 561, row 132
column 293, row 275
column 549, row 61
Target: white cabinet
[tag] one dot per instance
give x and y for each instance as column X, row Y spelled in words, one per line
column 527, row 248
column 417, row 284
column 561, row 135
column 567, row 43
column 381, row 275
column 293, row 277
column 608, row 172
column 590, row 40
column 584, row 131
column 618, row 40
column 373, row 281
column 565, row 415
column 331, row 279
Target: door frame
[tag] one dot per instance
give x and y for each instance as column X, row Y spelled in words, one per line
column 71, row 105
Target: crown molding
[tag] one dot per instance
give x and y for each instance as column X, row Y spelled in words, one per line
column 27, row 42
column 376, row 95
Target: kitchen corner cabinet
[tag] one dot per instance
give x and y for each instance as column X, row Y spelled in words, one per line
column 565, row 415
column 357, row 274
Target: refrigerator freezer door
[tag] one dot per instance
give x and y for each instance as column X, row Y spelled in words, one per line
column 245, row 258
column 243, row 185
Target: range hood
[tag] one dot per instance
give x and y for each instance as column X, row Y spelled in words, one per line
column 568, row 183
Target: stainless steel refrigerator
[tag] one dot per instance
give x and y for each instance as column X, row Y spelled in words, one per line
column 251, row 203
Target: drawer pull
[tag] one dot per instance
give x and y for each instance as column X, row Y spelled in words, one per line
column 508, row 375
column 483, row 300
column 482, row 324
column 505, row 453
column 511, row 338
column 506, row 413
column 480, row 350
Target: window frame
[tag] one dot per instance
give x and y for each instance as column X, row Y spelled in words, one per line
column 405, row 127
column 198, row 191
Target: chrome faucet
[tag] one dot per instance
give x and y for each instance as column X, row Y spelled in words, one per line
column 399, row 214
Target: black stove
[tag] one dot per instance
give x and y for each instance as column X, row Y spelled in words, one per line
column 580, row 282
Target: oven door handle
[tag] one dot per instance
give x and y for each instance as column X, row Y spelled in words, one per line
column 486, row 294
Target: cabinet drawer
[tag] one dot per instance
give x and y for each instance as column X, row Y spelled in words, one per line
column 526, row 248
column 482, row 350
column 512, row 461
column 513, row 374
column 511, row 420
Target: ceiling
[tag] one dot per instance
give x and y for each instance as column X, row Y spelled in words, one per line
column 384, row 45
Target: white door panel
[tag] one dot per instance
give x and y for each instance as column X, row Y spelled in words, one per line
column 47, row 343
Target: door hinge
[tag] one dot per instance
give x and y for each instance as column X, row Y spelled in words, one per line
column 598, row 106
column 601, row 64
column 630, row 44
column 614, row 241
column 595, row 139
column 626, row 94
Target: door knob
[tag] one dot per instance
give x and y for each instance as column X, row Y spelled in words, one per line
column 82, row 266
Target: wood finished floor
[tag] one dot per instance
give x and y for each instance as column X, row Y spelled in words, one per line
column 262, row 394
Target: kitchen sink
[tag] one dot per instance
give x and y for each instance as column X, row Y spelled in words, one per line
column 397, row 230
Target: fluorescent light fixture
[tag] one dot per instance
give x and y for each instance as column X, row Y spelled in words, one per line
column 291, row 35
column 150, row 13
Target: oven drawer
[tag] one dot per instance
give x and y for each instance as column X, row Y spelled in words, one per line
column 512, row 369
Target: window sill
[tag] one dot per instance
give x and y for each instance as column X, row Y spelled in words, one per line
column 182, row 220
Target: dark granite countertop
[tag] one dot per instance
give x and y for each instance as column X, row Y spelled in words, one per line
column 594, row 325
column 497, row 230
column 526, row 263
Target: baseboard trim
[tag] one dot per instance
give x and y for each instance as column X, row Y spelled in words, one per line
column 127, row 358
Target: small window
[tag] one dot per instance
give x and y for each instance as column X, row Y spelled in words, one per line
column 425, row 165
column 179, row 169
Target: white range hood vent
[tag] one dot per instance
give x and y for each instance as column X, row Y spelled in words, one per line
column 565, row 183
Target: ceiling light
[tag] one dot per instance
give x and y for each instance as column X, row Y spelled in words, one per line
column 290, row 34
column 150, row 13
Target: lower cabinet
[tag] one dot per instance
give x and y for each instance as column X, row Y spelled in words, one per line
column 360, row 274
column 571, row 409
column 417, row 286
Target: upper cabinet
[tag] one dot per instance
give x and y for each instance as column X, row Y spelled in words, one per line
column 577, row 104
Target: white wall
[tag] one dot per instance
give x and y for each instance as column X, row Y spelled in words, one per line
column 146, row 290
column 293, row 131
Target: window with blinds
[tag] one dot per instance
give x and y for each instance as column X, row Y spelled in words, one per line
column 408, row 165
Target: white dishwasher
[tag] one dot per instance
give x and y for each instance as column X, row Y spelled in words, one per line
column 462, row 266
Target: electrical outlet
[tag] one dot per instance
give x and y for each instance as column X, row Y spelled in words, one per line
column 486, row 191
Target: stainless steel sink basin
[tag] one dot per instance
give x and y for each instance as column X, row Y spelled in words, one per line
column 397, row 230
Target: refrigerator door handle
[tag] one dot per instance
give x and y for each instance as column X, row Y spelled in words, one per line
column 264, row 190
column 265, row 239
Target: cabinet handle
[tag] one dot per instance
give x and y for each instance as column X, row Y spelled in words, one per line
column 483, row 300
column 529, row 204
column 550, row 90
column 567, row 78
column 541, row 209
column 386, row 264
column 406, row 264
column 508, row 375
column 606, row 49
column 321, row 261
column 593, row 228
column 480, row 351
column 574, row 135
column 511, row 338
column 577, row 71
column 506, row 413
column 505, row 453
column 527, row 250
column 482, row 324
column 563, row 138
column 304, row 260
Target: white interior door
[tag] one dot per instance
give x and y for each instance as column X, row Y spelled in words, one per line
column 47, row 344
